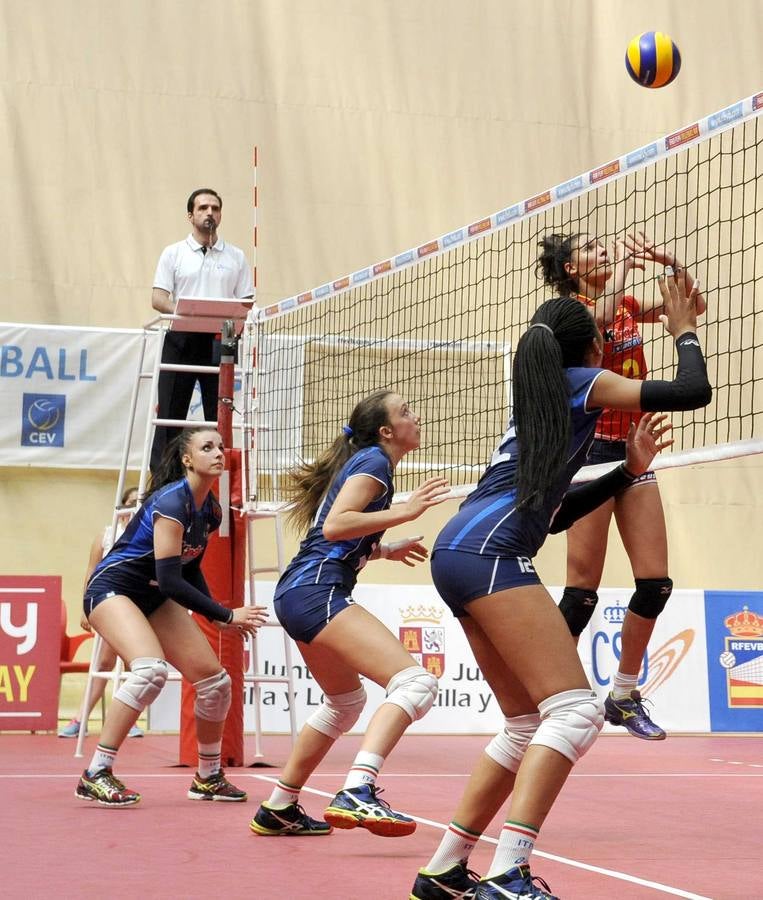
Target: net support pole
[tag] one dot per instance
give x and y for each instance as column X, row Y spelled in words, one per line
column 224, row 567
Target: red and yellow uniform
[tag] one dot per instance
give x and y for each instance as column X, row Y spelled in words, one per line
column 623, row 355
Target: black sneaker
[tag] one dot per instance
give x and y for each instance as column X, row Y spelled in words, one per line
column 516, row 884
column 106, row 789
column 457, row 883
column 216, row 787
column 290, row 819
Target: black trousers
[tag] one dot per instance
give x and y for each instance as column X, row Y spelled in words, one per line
column 176, row 388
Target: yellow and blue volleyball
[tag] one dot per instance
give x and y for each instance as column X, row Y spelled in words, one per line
column 652, row 59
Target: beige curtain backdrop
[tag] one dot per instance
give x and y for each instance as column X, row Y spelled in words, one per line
column 379, row 125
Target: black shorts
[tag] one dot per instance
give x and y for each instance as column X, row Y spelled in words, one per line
column 614, row 451
column 146, row 597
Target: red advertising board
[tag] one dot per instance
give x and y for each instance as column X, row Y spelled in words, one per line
column 30, row 648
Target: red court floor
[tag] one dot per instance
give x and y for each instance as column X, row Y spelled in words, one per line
column 636, row 820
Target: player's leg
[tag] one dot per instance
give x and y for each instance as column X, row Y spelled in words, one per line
column 491, row 781
column 586, row 552
column 187, row 648
column 104, row 663
column 367, row 646
column 343, row 700
column 641, row 522
column 524, row 626
column 124, row 627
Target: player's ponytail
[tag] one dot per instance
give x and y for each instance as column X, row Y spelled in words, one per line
column 171, row 466
column 561, row 333
column 555, row 253
column 310, row 481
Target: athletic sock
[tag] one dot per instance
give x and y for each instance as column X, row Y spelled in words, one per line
column 209, row 759
column 283, row 795
column 103, row 758
column 623, row 685
column 455, row 847
column 515, row 845
column 364, row 769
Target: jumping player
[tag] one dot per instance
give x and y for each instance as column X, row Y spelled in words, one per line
column 579, row 266
column 482, row 567
column 137, row 600
column 343, row 502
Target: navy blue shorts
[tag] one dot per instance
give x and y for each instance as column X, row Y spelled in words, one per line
column 614, row 451
column 305, row 611
column 146, row 597
column 462, row 577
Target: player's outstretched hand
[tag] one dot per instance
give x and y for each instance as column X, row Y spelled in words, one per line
column 247, row 619
column 408, row 550
column 645, row 441
column 430, row 493
column 679, row 303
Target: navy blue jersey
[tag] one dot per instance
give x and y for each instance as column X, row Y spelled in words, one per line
column 131, row 559
column 488, row 521
column 320, row 561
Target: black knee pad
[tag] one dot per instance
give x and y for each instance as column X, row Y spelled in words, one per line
column 577, row 606
column 650, row 596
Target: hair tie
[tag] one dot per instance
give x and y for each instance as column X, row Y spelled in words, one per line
column 543, row 325
column 347, row 430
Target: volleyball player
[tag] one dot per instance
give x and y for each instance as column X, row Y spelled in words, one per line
column 107, row 659
column 137, row 600
column 343, row 502
column 579, row 266
column 482, row 567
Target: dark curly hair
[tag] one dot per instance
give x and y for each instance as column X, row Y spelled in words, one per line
column 555, row 251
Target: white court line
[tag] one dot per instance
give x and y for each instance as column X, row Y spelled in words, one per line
column 342, row 775
column 621, row 876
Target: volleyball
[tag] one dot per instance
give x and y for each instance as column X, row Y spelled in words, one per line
column 652, row 59
column 727, row 659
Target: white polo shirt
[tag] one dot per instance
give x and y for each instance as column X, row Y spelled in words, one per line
column 184, row 271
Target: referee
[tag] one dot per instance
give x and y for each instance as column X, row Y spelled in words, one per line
column 201, row 265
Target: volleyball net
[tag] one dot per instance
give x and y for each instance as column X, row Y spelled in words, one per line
column 438, row 322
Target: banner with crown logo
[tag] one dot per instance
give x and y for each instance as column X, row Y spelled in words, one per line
column 673, row 676
column 688, row 674
column 735, row 659
column 423, row 636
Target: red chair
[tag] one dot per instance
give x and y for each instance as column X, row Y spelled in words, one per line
column 69, row 646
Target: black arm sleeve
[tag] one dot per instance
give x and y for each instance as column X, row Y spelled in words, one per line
column 689, row 390
column 169, row 575
column 582, row 499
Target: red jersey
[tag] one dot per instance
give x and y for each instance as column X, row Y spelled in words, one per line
column 623, row 355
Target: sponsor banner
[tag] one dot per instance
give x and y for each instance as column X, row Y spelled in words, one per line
column 673, row 677
column 735, row 659
column 65, row 395
column 30, row 650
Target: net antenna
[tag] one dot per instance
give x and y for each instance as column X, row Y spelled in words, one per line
column 437, row 322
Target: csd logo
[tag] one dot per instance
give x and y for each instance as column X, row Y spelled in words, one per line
column 42, row 420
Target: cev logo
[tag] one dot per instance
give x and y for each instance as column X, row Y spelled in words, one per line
column 43, row 415
column 42, row 420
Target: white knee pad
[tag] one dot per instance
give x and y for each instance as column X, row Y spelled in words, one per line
column 338, row 713
column 570, row 722
column 144, row 683
column 508, row 747
column 213, row 697
column 413, row 690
